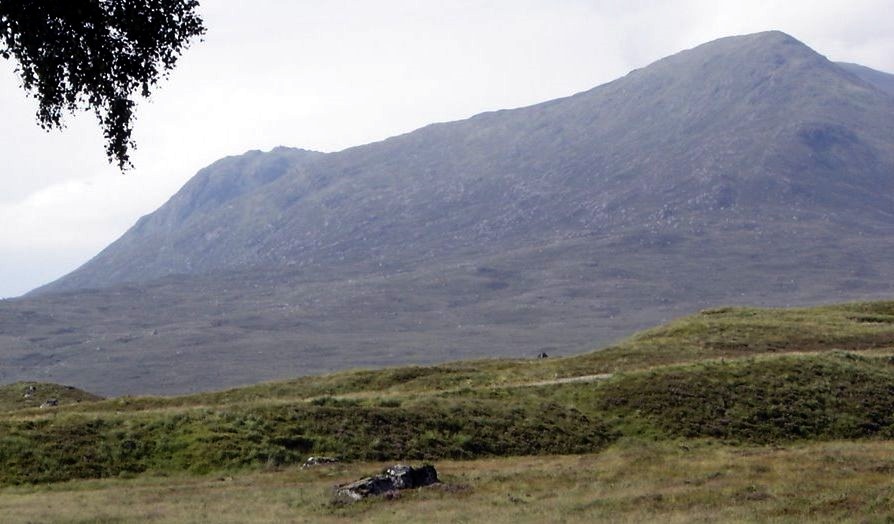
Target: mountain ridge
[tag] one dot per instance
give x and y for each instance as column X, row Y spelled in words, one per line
column 880, row 79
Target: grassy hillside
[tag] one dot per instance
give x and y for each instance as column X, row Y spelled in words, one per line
column 714, row 333
column 21, row 395
column 734, row 374
column 765, row 399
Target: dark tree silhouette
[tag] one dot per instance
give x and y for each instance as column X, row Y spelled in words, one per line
column 95, row 55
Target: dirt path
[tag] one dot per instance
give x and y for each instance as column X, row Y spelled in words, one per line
column 569, row 380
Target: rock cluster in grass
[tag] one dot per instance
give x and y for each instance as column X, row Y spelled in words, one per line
column 317, row 461
column 388, row 483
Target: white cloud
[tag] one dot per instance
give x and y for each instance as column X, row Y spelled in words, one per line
column 61, row 226
column 47, row 219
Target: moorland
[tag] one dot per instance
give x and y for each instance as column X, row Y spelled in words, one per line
column 729, row 414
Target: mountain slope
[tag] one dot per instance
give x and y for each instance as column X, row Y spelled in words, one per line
column 881, row 80
column 743, row 122
column 747, row 170
column 189, row 218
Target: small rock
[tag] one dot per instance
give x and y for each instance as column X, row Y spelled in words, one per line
column 316, row 461
column 49, row 403
column 30, row 391
column 542, row 355
column 388, row 483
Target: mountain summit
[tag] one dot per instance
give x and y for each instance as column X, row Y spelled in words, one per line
column 749, row 169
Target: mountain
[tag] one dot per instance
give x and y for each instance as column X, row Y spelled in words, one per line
column 749, row 169
column 734, row 124
column 883, row 81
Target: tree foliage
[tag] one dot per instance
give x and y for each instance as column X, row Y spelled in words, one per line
column 95, row 55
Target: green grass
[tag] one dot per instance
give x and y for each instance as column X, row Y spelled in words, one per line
column 630, row 481
column 88, row 446
column 737, row 375
column 767, row 399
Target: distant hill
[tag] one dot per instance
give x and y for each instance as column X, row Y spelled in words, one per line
column 749, row 169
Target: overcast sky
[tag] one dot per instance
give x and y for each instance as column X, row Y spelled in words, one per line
column 331, row 74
